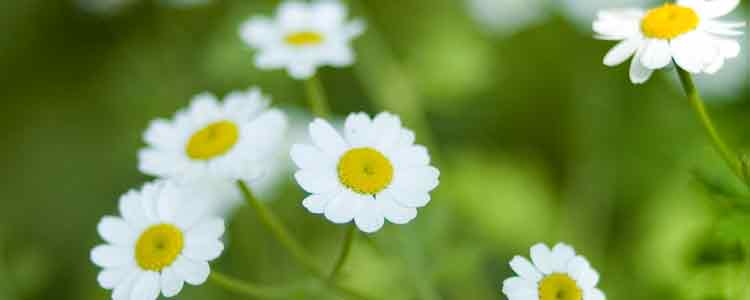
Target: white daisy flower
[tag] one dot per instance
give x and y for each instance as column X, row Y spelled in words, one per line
column 687, row 32
column 161, row 241
column 373, row 173
column 226, row 197
column 507, row 17
column 557, row 274
column 302, row 37
column 228, row 140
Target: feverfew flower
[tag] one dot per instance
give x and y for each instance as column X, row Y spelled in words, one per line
column 302, row 37
column 161, row 241
column 374, row 172
column 557, row 274
column 507, row 17
column 227, row 140
column 687, row 32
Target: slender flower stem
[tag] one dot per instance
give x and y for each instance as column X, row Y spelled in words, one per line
column 316, row 97
column 696, row 102
column 281, row 233
column 240, row 287
column 344, row 254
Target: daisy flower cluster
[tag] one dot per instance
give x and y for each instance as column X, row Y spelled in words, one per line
column 169, row 230
column 368, row 172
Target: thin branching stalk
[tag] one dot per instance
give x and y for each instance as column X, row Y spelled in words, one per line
column 344, row 253
column 316, row 97
column 295, row 249
column 729, row 156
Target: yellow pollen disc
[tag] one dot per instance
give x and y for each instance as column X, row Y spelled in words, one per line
column 158, row 247
column 213, row 140
column 669, row 21
column 304, row 38
column 365, row 170
column 559, row 287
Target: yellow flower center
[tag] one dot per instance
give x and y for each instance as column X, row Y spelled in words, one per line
column 669, row 21
column 559, row 287
column 365, row 170
column 304, row 38
column 158, row 247
column 214, row 140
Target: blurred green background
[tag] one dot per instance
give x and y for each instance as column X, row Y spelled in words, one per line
column 537, row 141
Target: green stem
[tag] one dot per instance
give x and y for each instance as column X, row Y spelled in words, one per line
column 279, row 231
column 240, row 287
column 344, row 254
column 316, row 97
column 696, row 102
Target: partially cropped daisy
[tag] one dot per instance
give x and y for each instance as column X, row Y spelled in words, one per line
column 161, row 241
column 302, row 37
column 688, row 32
column 220, row 140
column 556, row 274
column 374, row 172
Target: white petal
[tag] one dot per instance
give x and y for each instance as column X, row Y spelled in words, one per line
column 316, row 203
column 406, row 138
column 125, row 288
column 387, row 128
column 656, row 54
column 107, row 256
column 711, row 9
column 519, row 288
column 581, row 271
column 561, row 255
column 192, row 272
column 525, row 269
column 729, row 48
column 132, row 210
column 594, row 294
column 639, row 73
column 618, row 24
column 171, row 283
column 344, row 207
column 162, row 134
column 411, row 156
column 410, row 198
column 392, row 211
column 358, row 130
column 715, row 66
column 622, row 51
column 722, row 28
column 147, row 287
column 301, row 71
column 115, row 231
column 202, row 250
column 109, row 278
column 694, row 51
column 419, row 179
column 207, row 230
column 369, row 219
column 316, row 182
column 309, row 157
column 542, row 258
column 190, row 213
column 329, row 14
column 169, row 201
column 258, row 31
column 292, row 14
column 326, row 138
